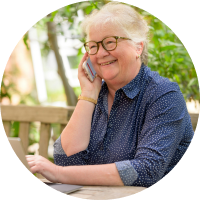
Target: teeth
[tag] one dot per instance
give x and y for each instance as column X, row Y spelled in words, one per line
column 108, row 63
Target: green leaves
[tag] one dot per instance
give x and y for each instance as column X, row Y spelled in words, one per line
column 25, row 39
column 87, row 7
column 193, row 82
column 53, row 14
column 179, row 60
column 168, row 56
column 83, row 5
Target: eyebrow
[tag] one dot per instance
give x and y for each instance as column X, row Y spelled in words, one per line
column 100, row 40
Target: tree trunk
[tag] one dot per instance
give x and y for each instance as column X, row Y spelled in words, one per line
column 71, row 97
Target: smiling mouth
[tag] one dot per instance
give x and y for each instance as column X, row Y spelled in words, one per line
column 107, row 63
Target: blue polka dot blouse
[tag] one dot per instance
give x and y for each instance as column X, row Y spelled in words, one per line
column 148, row 130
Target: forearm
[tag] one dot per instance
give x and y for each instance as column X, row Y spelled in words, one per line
column 76, row 135
column 106, row 174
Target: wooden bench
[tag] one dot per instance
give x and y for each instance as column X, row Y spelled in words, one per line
column 194, row 119
column 46, row 115
column 27, row 114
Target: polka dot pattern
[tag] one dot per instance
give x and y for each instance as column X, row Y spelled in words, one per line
column 148, row 130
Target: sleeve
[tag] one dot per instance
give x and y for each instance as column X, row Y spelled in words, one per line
column 163, row 129
column 127, row 172
column 60, row 158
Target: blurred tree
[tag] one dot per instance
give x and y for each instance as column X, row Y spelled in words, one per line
column 71, row 97
column 52, row 23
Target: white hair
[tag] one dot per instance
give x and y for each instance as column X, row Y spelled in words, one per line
column 124, row 16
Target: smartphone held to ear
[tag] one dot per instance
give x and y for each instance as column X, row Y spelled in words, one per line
column 87, row 66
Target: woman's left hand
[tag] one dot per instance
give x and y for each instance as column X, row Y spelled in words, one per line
column 41, row 165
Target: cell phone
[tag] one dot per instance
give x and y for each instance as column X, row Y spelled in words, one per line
column 89, row 69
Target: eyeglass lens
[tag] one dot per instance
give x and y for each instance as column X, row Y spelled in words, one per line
column 108, row 44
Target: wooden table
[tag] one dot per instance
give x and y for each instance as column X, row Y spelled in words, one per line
column 104, row 192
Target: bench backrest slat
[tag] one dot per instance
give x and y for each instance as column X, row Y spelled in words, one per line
column 23, row 113
column 24, row 135
column 44, row 139
column 7, row 125
column 194, row 119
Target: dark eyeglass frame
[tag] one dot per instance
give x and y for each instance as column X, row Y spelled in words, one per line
column 116, row 37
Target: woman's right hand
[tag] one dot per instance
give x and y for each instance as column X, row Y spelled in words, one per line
column 88, row 89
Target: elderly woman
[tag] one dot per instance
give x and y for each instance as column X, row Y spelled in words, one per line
column 139, row 128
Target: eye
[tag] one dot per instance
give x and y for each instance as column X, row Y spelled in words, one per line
column 93, row 46
column 110, row 42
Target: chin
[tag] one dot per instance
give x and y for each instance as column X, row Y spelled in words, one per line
column 110, row 79
column 108, row 76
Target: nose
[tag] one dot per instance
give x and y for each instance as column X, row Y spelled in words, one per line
column 101, row 52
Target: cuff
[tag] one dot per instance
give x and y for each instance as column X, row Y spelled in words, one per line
column 127, row 172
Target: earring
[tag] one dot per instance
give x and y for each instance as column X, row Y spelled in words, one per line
column 138, row 56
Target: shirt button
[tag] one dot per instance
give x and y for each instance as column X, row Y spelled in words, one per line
column 101, row 147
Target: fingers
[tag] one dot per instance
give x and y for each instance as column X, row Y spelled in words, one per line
column 82, row 72
column 34, row 169
column 31, row 162
column 84, row 58
column 36, row 163
column 43, row 166
column 30, row 158
column 85, row 72
column 98, row 79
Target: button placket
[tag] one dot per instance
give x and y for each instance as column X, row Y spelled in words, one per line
column 101, row 147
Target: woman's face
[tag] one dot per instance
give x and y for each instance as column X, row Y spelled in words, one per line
column 119, row 66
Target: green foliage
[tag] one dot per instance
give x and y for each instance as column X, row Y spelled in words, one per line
column 77, row 91
column 8, row 87
column 15, row 129
column 167, row 54
column 5, row 88
column 169, row 57
column 25, row 39
column 55, row 95
column 34, row 135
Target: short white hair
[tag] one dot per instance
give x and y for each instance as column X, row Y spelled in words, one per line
column 124, row 16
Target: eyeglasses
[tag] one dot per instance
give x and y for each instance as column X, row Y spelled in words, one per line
column 108, row 43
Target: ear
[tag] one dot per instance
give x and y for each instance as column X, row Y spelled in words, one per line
column 139, row 48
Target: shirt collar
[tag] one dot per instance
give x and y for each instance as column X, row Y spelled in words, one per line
column 131, row 89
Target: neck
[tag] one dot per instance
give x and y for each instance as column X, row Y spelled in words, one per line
column 114, row 85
